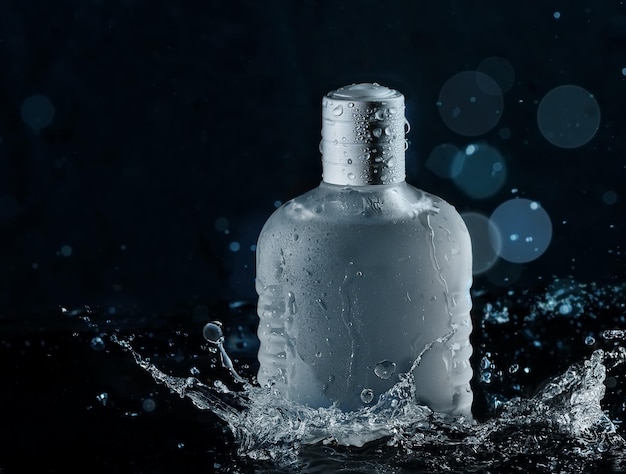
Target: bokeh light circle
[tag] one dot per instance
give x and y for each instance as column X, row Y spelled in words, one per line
column 441, row 160
column 470, row 103
column 500, row 70
column 37, row 112
column 609, row 197
column 568, row 116
column 482, row 170
column 486, row 241
column 525, row 230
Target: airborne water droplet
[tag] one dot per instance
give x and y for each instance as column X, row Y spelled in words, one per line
column 385, row 369
column 367, row 395
column 212, row 332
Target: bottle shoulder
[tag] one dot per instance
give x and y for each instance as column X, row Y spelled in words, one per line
column 363, row 205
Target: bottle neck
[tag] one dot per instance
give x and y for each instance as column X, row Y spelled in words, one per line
column 363, row 136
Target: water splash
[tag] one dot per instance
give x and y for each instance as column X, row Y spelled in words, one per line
column 563, row 427
column 213, row 333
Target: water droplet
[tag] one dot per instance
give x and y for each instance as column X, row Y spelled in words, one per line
column 337, row 111
column 367, row 395
column 565, row 308
column 385, row 369
column 611, row 334
column 377, row 132
column 350, row 175
column 380, row 114
column 103, row 398
column 291, row 303
column 321, row 303
column 97, row 344
column 318, row 354
column 514, row 368
column 212, row 332
column 590, row 340
column 350, row 104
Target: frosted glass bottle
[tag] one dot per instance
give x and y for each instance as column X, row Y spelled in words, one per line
column 360, row 275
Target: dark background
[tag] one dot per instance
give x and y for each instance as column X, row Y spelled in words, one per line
column 169, row 116
column 178, row 125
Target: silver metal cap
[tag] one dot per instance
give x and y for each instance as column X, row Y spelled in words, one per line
column 363, row 135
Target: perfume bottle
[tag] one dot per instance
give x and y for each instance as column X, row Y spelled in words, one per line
column 365, row 277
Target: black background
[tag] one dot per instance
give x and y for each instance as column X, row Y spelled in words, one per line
column 172, row 115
